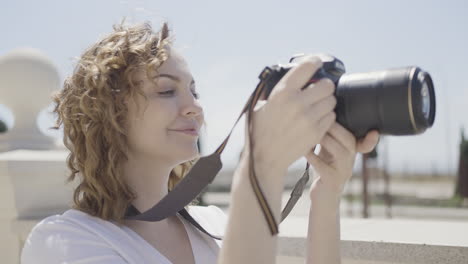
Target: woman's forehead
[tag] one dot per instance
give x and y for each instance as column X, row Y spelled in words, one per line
column 174, row 65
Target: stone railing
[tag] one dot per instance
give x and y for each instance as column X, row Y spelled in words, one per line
column 31, row 165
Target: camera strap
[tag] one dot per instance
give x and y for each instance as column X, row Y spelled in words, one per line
column 205, row 170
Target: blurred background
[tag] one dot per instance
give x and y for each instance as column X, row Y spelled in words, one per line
column 227, row 44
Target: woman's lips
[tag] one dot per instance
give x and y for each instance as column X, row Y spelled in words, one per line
column 188, row 132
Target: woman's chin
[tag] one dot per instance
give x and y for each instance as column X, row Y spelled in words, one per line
column 194, row 154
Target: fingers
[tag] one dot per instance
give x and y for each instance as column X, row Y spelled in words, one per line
column 319, row 98
column 344, row 136
column 325, row 123
column 323, row 107
column 333, row 146
column 325, row 154
column 318, row 91
column 317, row 162
column 299, row 75
column 368, row 143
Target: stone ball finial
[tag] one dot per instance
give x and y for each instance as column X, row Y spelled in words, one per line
column 27, row 80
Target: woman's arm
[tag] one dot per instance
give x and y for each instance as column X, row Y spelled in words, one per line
column 334, row 166
column 248, row 238
column 323, row 234
column 285, row 127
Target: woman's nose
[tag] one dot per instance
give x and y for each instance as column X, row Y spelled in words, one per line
column 191, row 106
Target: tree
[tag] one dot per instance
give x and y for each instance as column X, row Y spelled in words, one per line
column 461, row 189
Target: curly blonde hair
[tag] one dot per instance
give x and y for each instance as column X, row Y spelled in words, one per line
column 92, row 109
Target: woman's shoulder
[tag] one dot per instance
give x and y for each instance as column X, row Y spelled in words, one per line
column 70, row 222
column 77, row 236
column 67, row 237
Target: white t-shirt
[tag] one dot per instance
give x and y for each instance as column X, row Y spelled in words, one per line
column 75, row 237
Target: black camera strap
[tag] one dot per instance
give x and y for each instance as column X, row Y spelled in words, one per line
column 205, row 170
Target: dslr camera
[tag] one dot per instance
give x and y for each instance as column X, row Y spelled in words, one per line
column 399, row 101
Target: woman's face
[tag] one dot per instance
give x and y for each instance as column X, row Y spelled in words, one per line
column 172, row 106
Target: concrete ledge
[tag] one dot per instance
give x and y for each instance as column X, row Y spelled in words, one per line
column 403, row 253
column 38, row 182
column 385, row 241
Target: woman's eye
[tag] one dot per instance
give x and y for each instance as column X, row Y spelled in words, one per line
column 171, row 92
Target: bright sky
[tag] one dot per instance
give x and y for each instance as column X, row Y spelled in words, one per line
column 228, row 43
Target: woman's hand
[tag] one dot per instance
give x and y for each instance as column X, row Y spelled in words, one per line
column 335, row 161
column 292, row 120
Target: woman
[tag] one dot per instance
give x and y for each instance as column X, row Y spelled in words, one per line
column 131, row 119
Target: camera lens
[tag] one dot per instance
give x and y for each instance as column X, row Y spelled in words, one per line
column 426, row 100
column 396, row 101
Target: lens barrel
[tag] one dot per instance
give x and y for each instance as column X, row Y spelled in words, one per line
column 396, row 101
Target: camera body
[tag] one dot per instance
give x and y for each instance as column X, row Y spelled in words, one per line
column 398, row 101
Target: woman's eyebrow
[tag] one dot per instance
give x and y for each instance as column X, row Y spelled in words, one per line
column 172, row 77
